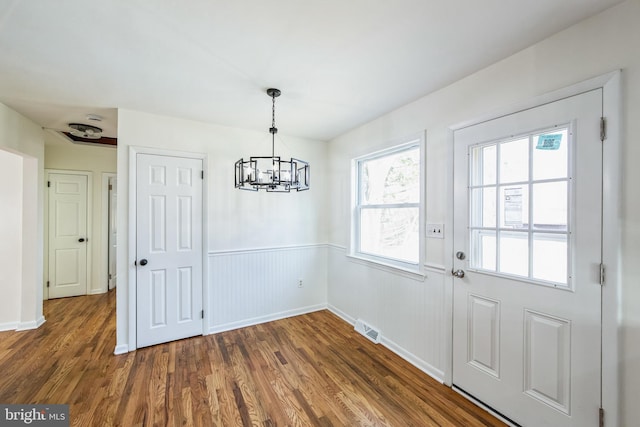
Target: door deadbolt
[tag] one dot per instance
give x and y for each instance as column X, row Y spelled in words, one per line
column 460, row 255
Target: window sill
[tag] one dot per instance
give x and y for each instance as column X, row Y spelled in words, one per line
column 415, row 274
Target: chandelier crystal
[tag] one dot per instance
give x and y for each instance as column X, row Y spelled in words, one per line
column 272, row 173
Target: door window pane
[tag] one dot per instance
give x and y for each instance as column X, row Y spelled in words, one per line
column 483, row 165
column 550, row 257
column 483, row 253
column 514, row 206
column 483, row 207
column 550, row 155
column 514, row 253
column 550, row 206
column 514, row 161
column 533, row 188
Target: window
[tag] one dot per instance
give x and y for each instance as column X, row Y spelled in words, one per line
column 388, row 206
column 520, row 206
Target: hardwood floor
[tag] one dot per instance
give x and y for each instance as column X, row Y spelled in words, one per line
column 310, row 370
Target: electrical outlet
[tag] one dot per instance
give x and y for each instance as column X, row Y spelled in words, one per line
column 435, row 231
column 299, row 283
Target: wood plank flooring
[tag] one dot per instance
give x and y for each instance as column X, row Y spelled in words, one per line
column 310, row 370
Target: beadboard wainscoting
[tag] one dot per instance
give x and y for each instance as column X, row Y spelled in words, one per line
column 409, row 312
column 247, row 287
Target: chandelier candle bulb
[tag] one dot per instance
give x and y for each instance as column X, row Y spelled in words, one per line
column 277, row 176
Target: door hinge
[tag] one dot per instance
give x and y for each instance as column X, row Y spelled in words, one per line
column 48, row 183
column 603, row 129
column 601, row 274
column 110, row 187
column 47, row 283
column 202, row 314
column 202, row 174
column 601, row 417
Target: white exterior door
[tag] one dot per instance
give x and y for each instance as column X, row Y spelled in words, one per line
column 68, row 239
column 112, row 232
column 169, row 248
column 527, row 237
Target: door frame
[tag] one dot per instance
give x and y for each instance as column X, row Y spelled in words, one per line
column 133, row 233
column 104, row 231
column 611, row 85
column 89, row 175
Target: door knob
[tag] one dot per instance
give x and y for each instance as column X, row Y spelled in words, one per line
column 81, row 239
column 458, row 273
column 143, row 262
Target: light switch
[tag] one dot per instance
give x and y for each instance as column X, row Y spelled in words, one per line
column 435, row 231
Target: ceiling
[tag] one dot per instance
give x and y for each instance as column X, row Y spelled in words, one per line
column 339, row 63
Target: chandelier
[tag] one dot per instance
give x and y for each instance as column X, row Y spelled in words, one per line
column 271, row 173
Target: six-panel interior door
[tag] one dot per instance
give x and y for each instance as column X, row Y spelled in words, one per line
column 169, row 248
column 67, row 235
column 527, row 236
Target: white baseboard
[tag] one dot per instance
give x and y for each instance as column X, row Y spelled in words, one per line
column 425, row 367
column 341, row 314
column 40, row 321
column 33, row 324
column 124, row 348
column 121, row 349
column 9, row 326
column 264, row 319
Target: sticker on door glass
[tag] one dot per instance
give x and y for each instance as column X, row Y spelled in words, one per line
column 549, row 142
column 513, row 206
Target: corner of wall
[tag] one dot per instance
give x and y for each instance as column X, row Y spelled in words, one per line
column 121, row 349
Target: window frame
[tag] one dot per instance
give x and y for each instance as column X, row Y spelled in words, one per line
column 530, row 231
column 388, row 263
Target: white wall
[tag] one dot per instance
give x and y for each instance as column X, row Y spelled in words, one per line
column 24, row 138
column 10, row 239
column 604, row 43
column 62, row 154
column 409, row 312
column 279, row 225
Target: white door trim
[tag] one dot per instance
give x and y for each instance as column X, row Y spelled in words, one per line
column 104, row 231
column 89, row 175
column 611, row 85
column 132, row 230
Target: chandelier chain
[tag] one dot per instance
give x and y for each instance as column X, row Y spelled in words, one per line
column 273, row 111
column 273, row 127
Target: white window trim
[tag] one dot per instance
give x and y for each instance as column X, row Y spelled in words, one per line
column 413, row 270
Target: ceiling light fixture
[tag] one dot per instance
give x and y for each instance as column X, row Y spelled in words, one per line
column 94, row 117
column 85, row 131
column 271, row 173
